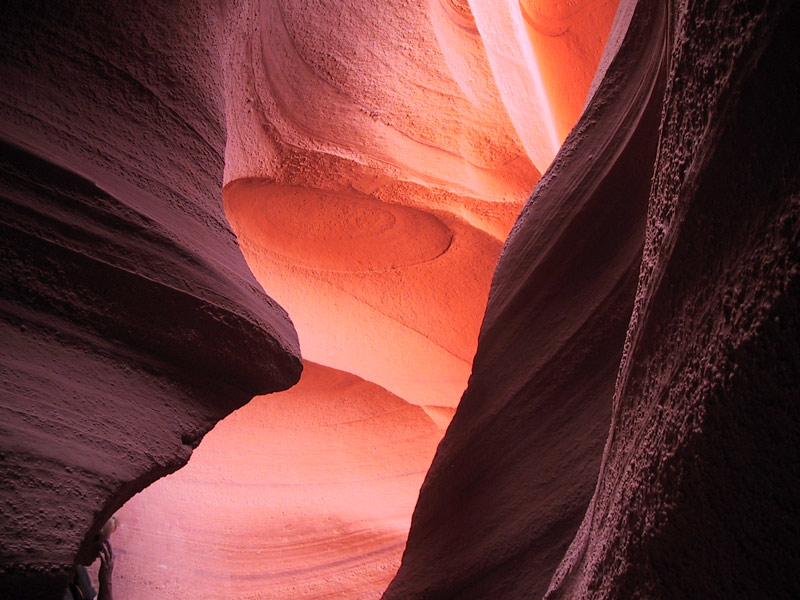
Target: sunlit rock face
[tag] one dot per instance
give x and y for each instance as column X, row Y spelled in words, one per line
column 373, row 177
column 690, row 344
column 520, row 460
column 641, row 321
column 130, row 321
column 374, row 162
column 369, row 192
column 303, row 494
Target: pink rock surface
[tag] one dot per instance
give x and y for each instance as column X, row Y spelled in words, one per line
column 518, row 464
column 302, row 494
column 372, row 179
column 630, row 428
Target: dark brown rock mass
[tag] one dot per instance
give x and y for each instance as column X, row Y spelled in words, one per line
column 130, row 321
column 697, row 488
column 520, row 459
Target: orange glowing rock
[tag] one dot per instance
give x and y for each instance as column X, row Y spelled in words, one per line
column 543, row 55
column 375, row 159
column 391, row 293
column 371, row 180
column 567, row 39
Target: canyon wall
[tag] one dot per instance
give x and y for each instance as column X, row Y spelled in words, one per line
column 696, row 495
column 302, row 494
column 130, row 321
column 370, row 180
column 630, row 427
column 518, row 464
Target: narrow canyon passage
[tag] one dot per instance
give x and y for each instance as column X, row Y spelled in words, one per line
column 444, row 299
column 303, row 494
column 371, row 183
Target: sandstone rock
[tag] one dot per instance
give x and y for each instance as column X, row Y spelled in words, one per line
column 696, row 492
column 131, row 324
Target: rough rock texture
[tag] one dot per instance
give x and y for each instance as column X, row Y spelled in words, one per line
column 374, row 160
column 370, row 180
column 130, row 321
column 697, row 491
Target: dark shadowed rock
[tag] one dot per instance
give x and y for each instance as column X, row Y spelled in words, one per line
column 697, row 490
column 130, row 321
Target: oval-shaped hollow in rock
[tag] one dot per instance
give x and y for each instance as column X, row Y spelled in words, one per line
column 338, row 231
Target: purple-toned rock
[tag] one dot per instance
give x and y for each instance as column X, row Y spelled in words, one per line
column 131, row 323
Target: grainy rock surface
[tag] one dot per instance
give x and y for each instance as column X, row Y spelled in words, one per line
column 697, row 495
column 518, row 464
column 630, row 428
column 318, row 505
column 697, row 489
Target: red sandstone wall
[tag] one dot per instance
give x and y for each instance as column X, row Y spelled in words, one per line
column 696, row 495
column 131, row 323
column 303, row 494
column 519, row 462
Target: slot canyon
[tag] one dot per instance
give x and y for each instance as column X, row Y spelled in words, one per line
column 409, row 299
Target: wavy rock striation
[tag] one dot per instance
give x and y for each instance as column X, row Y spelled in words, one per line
column 372, row 178
column 374, row 162
column 367, row 188
column 130, row 321
column 318, row 505
column 696, row 493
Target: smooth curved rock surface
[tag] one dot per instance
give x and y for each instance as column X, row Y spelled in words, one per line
column 131, row 323
column 371, row 179
column 543, row 54
column 306, row 493
column 696, row 492
column 367, row 188
column 368, row 299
